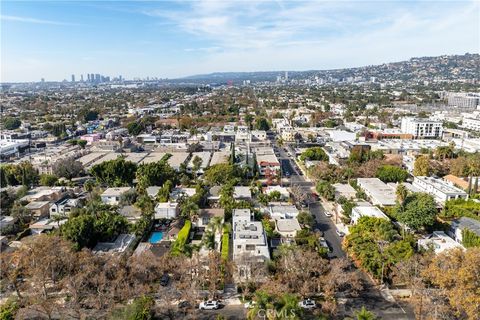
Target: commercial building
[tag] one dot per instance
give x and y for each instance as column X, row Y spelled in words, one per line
column 422, row 128
column 440, row 189
column 463, row 100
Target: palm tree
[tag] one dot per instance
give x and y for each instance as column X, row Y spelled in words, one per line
column 364, row 314
column 215, row 224
column 262, row 303
column 189, row 210
column 402, row 193
column 289, row 306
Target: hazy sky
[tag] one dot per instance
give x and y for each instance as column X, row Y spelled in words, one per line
column 55, row 39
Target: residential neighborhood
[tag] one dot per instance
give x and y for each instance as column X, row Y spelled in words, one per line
column 325, row 194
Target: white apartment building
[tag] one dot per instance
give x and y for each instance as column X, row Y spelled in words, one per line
column 367, row 211
column 249, row 238
column 379, row 193
column 422, row 128
column 440, row 189
column 463, row 100
column 471, row 121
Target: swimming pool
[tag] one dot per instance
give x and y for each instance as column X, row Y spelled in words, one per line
column 155, row 237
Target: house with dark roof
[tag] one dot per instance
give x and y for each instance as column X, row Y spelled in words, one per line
column 464, row 223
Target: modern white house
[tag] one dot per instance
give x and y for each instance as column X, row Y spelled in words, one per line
column 112, row 196
column 249, row 238
column 282, row 210
column 167, row 210
column 367, row 211
column 379, row 193
column 439, row 241
column 440, row 189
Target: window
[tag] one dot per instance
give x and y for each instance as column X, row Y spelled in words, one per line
column 250, row 247
column 205, row 220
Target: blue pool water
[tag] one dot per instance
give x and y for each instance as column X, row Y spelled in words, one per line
column 155, row 237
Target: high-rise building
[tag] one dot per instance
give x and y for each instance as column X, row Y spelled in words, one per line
column 42, row 80
column 81, row 78
column 286, row 75
column 88, row 77
column 73, row 78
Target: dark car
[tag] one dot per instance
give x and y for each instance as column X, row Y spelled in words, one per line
column 164, row 280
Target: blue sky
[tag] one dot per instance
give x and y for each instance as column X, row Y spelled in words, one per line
column 54, row 39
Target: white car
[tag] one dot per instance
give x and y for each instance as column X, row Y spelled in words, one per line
column 328, row 214
column 307, row 304
column 209, row 305
column 340, row 233
column 250, row 304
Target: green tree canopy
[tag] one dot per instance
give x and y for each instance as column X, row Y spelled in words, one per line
column 222, row 173
column 11, row 123
column 156, row 174
column 314, row 154
column 115, row 173
column 262, row 124
column 418, row 211
column 326, row 190
column 373, row 242
column 388, row 173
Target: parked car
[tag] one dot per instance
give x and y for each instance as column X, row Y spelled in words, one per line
column 209, row 305
column 340, row 233
column 328, row 214
column 307, row 304
column 250, row 304
column 164, row 280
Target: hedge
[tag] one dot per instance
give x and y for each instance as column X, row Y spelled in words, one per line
column 225, row 243
column 179, row 244
column 470, row 239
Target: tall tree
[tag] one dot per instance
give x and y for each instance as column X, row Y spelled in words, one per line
column 422, row 166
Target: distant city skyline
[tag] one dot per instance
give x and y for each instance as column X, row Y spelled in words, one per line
column 171, row 39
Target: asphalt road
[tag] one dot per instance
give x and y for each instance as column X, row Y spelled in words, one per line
column 231, row 312
column 325, row 224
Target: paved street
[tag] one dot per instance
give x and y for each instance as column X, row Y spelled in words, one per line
column 326, row 225
column 371, row 297
column 232, row 312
